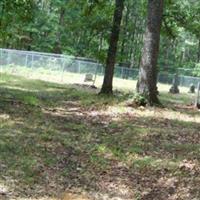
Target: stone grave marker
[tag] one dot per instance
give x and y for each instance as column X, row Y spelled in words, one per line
column 174, row 88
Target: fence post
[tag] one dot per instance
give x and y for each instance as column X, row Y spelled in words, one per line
column 102, row 70
column 32, row 59
column 8, row 58
column 79, row 67
column 63, row 70
column 95, row 75
column 31, row 66
column 197, row 97
column 122, row 72
column 26, row 61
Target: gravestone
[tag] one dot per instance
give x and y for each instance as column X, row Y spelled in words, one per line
column 88, row 78
column 174, row 89
column 197, row 104
column 192, row 88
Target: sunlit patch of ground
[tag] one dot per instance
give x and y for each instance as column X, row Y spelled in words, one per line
column 76, row 78
column 116, row 112
column 38, row 198
column 71, row 196
column 65, row 140
column 4, row 117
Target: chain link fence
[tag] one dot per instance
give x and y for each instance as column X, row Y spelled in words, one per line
column 62, row 68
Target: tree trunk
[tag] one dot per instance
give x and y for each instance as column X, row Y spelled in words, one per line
column 58, row 46
column 111, row 56
column 124, row 34
column 198, row 54
column 148, row 67
column 133, row 47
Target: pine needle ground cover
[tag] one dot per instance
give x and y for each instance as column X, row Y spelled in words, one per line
column 65, row 140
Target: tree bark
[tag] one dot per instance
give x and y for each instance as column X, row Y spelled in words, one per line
column 147, row 83
column 112, row 51
column 58, row 46
column 198, row 54
column 124, row 35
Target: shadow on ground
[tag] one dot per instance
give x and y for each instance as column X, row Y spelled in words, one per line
column 57, row 139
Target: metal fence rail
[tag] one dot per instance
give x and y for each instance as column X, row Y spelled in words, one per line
column 33, row 64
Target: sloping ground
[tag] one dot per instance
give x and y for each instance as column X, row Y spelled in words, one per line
column 67, row 141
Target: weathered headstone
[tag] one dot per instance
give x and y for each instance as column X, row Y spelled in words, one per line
column 197, row 97
column 88, row 78
column 174, row 89
column 192, row 88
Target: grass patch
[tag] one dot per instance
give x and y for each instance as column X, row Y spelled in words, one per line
column 56, row 137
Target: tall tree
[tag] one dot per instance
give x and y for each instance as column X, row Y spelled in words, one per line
column 148, row 68
column 58, row 45
column 198, row 54
column 112, row 51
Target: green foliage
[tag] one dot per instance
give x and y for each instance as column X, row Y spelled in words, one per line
column 143, row 163
column 83, row 29
column 196, row 71
column 139, row 100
